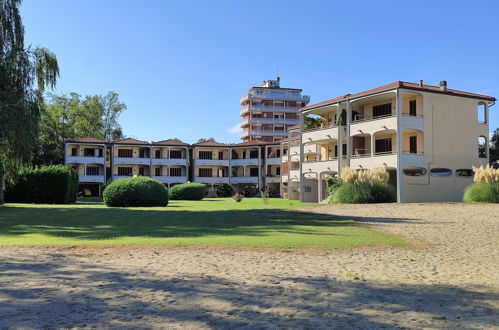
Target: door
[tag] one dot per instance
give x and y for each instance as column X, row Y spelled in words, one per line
column 413, row 144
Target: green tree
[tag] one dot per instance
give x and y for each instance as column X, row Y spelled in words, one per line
column 494, row 146
column 312, row 122
column 211, row 139
column 25, row 72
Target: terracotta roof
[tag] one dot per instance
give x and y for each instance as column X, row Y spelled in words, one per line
column 170, row 142
column 86, row 139
column 255, row 143
column 131, row 141
column 210, row 144
column 401, row 84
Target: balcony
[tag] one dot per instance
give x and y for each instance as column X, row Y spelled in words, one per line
column 244, row 179
column 91, row 178
column 263, row 133
column 380, row 159
column 131, row 161
column 273, row 179
column 211, row 162
column 320, row 135
column 328, row 165
column 373, row 124
column 211, row 180
column 273, row 121
column 261, row 108
column 285, row 96
column 273, row 161
column 294, row 175
column 171, row 179
column 412, row 122
column 169, row 161
column 244, row 162
column 412, row 159
column 84, row 160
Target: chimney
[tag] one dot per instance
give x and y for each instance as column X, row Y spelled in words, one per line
column 443, row 85
column 421, row 83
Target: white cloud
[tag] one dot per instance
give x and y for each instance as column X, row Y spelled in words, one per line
column 236, row 129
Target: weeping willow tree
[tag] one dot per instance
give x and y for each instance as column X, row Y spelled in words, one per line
column 25, row 72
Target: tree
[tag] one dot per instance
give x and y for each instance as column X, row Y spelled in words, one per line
column 24, row 74
column 494, row 146
column 312, row 122
column 71, row 116
column 201, row 140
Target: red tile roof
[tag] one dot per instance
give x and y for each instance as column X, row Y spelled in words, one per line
column 210, row 144
column 255, row 143
column 131, row 141
column 401, row 84
column 170, row 142
column 87, row 139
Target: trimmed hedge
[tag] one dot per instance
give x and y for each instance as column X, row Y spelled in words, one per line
column 132, row 192
column 56, row 184
column 188, row 191
column 225, row 190
column 482, row 192
column 362, row 193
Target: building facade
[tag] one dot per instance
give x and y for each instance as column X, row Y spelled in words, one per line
column 427, row 137
column 269, row 110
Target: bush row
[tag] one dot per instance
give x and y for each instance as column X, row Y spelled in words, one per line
column 55, row 184
column 188, row 191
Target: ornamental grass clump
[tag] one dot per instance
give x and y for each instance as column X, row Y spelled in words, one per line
column 361, row 186
column 486, row 186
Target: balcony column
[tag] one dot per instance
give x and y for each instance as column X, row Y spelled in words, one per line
column 349, row 138
column 301, row 194
column 319, row 187
column 339, row 142
column 400, row 184
column 373, row 144
column 260, row 172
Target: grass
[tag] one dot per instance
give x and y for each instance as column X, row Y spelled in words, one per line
column 211, row 222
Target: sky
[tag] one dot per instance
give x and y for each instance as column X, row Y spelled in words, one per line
column 181, row 66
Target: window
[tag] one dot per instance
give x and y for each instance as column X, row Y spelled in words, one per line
column 175, row 154
column 157, row 171
column 382, row 110
column 482, row 147
column 144, row 153
column 465, row 173
column 175, row 171
column 413, row 144
column 205, row 172
column 277, row 171
column 440, row 172
column 295, row 165
column 481, row 113
column 220, row 155
column 92, row 170
column 253, row 171
column 205, row 155
column 142, row 171
column 74, row 152
column 254, row 154
column 124, row 171
column 89, row 152
column 383, row 145
column 412, row 108
column 307, row 189
column 125, row 153
column 414, row 171
column 75, row 168
column 101, row 152
column 157, row 154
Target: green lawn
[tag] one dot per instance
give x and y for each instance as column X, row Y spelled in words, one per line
column 211, row 222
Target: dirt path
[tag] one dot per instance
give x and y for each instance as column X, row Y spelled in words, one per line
column 451, row 283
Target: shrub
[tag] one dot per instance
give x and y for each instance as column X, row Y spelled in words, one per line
column 482, row 192
column 139, row 191
column 351, row 175
column 225, row 190
column 56, row 184
column 271, row 191
column 333, row 183
column 361, row 193
column 188, row 191
column 104, row 186
column 486, row 174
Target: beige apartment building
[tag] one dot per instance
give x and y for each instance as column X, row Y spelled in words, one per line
column 428, row 138
column 269, row 110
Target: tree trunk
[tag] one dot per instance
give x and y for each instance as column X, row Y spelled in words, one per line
column 2, row 182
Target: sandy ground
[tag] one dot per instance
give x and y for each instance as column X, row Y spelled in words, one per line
column 450, row 282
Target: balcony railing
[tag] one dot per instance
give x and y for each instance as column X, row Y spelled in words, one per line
column 362, row 118
column 276, row 96
column 319, row 128
column 264, row 132
column 262, row 108
column 274, row 121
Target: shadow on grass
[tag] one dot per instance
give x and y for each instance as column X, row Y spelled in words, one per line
column 107, row 223
column 92, row 294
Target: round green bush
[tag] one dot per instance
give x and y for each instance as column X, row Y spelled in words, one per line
column 486, row 192
column 139, row 191
column 188, row 191
column 350, row 193
column 225, row 190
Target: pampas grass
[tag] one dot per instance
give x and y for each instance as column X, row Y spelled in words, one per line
column 485, row 174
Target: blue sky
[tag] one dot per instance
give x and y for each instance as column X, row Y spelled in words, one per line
column 181, row 66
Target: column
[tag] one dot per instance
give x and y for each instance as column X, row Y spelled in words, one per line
column 400, row 184
column 302, row 196
column 339, row 143
column 373, row 144
column 349, row 142
column 319, row 187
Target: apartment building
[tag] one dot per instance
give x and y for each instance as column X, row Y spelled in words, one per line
column 428, row 138
column 247, row 166
column 269, row 110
